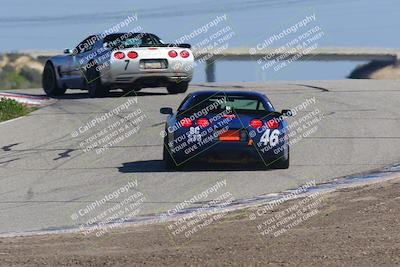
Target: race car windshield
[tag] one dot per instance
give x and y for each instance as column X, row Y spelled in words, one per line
column 239, row 103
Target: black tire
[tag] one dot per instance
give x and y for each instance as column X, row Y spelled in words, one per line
column 94, row 84
column 49, row 81
column 177, row 88
column 167, row 158
column 283, row 162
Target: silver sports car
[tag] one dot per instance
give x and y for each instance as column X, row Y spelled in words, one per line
column 127, row 61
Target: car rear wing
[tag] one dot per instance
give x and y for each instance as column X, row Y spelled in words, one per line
column 187, row 46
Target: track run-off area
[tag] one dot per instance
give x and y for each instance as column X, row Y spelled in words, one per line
column 50, row 180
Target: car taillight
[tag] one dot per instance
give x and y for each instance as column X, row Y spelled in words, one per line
column 132, row 54
column 272, row 124
column 255, row 123
column 119, row 55
column 184, row 54
column 172, row 53
column 202, row 122
column 186, row 122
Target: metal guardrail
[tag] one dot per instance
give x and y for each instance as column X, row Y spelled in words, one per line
column 210, row 57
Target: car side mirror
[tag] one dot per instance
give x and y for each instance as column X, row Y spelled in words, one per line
column 67, row 51
column 166, row 110
column 287, row 112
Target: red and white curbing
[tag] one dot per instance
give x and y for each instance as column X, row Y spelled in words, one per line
column 30, row 100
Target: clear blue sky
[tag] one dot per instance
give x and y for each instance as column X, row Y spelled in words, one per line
column 49, row 24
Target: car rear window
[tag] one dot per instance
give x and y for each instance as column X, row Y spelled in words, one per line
column 131, row 40
column 223, row 102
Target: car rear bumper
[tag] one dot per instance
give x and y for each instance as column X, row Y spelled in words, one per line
column 133, row 77
column 148, row 79
column 230, row 152
column 131, row 72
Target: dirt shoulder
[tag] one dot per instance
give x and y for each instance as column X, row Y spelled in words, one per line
column 354, row 226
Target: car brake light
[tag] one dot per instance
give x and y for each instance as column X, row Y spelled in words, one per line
column 229, row 135
column 255, row 123
column 202, row 122
column 184, row 54
column 229, row 116
column 186, row 122
column 172, row 53
column 272, row 124
column 119, row 55
column 132, row 54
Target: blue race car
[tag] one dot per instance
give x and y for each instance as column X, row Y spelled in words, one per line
column 226, row 127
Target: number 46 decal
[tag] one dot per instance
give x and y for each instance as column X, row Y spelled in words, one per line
column 270, row 137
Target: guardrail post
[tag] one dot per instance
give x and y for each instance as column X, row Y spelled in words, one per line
column 210, row 70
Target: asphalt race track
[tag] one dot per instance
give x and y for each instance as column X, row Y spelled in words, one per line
column 45, row 176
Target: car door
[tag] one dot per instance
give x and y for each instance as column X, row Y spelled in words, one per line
column 87, row 51
column 72, row 70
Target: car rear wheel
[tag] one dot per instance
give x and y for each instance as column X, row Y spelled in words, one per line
column 168, row 160
column 94, row 84
column 177, row 88
column 283, row 162
column 49, row 81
